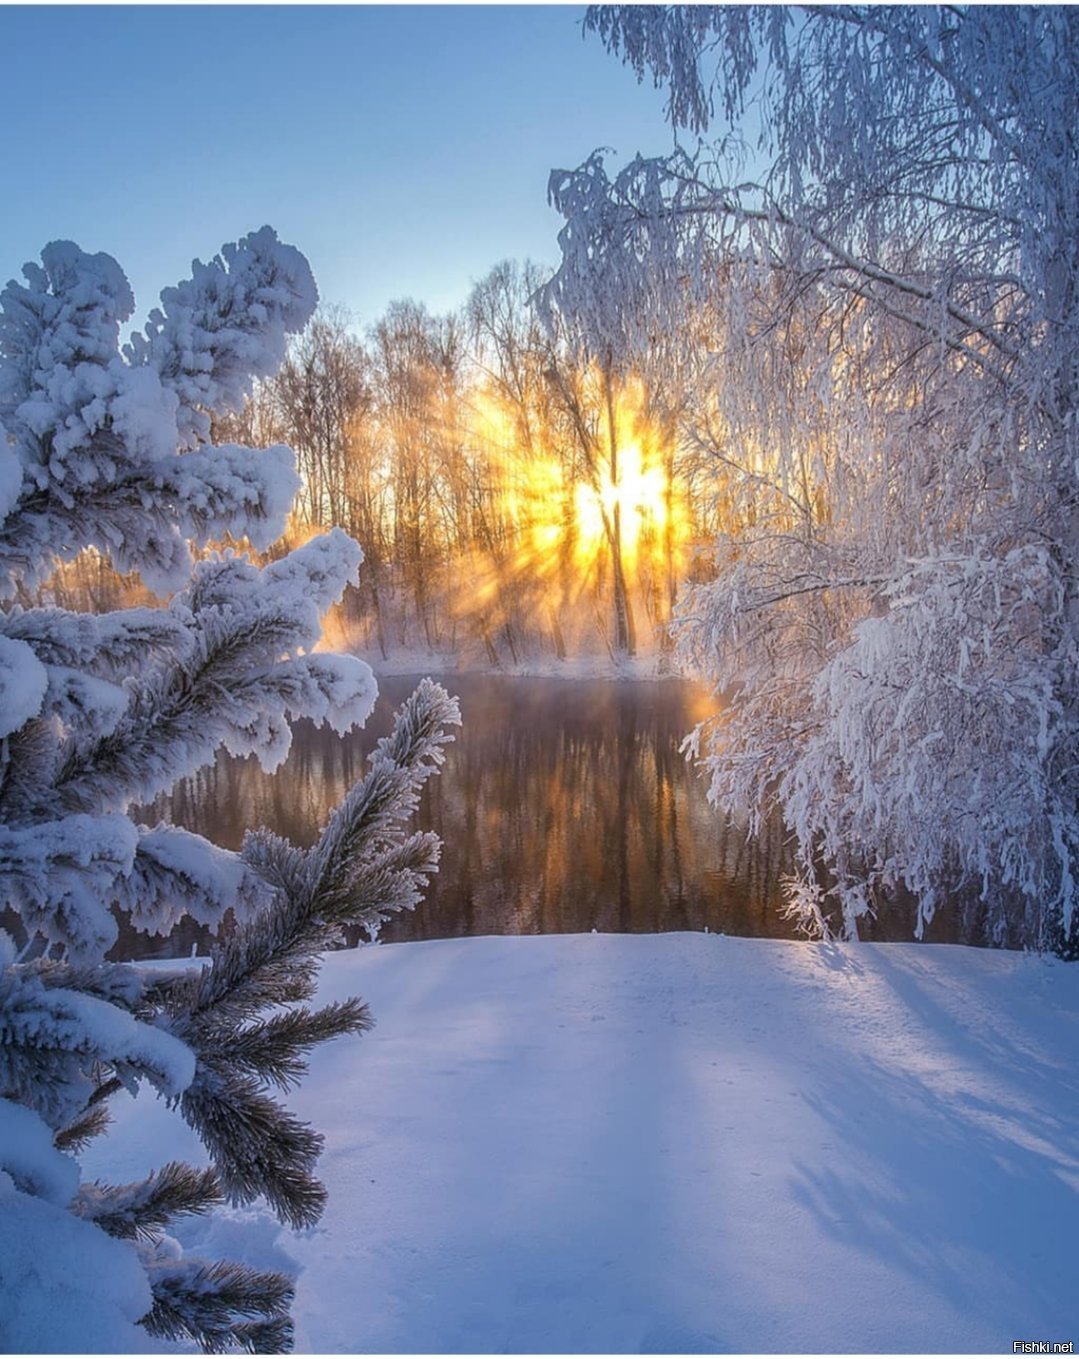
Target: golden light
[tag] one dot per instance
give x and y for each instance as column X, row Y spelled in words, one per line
column 582, row 508
column 639, row 495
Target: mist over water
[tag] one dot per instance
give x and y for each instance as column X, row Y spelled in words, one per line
column 563, row 806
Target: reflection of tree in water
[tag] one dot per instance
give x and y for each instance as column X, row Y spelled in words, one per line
column 563, row 806
column 568, row 807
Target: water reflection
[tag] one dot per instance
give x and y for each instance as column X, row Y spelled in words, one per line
column 563, row 806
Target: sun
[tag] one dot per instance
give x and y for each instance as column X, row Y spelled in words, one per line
column 561, row 502
column 640, row 496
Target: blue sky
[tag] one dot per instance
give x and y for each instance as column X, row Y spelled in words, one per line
column 404, row 149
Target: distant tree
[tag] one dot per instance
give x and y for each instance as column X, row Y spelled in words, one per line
column 586, row 398
column 416, row 364
column 888, row 401
column 511, row 360
column 111, row 448
column 321, row 395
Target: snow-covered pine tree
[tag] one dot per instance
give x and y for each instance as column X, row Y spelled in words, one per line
column 882, row 249
column 109, row 448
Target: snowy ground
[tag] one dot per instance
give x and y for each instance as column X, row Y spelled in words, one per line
column 680, row 1143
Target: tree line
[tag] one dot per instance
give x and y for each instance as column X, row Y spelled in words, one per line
column 510, row 499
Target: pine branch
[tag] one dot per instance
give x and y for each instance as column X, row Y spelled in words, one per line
column 112, row 448
column 275, row 1049
column 82, row 1130
column 53, row 1038
column 392, row 882
column 400, row 765
column 144, row 1208
column 212, row 1303
column 256, row 1145
column 179, row 712
column 270, row 961
column 117, row 983
column 363, row 868
column 264, row 1337
column 27, row 764
column 103, row 643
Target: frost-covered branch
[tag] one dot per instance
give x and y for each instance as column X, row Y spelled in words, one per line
column 880, row 334
column 112, row 448
column 363, row 868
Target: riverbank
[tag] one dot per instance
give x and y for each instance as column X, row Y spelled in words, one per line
column 679, row 1143
column 653, row 664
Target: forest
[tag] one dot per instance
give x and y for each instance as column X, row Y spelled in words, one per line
column 512, row 500
column 795, row 414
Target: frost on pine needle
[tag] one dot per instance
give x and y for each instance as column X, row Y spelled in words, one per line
column 110, row 448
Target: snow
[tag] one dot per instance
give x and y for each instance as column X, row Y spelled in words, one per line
column 176, row 873
column 66, row 1282
column 23, row 682
column 677, row 1143
column 60, row 875
column 225, row 326
column 232, row 489
column 69, row 1030
column 318, row 571
column 63, row 1281
column 30, row 1159
column 125, row 432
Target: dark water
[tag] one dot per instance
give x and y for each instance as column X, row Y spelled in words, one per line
column 563, row 806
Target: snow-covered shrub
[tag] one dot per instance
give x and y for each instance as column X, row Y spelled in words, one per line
column 108, row 448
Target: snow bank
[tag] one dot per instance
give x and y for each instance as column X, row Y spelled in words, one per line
column 61, row 1278
column 680, row 1143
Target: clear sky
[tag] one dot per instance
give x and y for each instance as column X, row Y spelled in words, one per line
column 405, row 149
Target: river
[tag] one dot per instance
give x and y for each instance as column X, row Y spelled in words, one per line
column 563, row 806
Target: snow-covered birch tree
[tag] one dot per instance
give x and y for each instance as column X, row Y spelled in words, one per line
column 108, row 447
column 882, row 249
